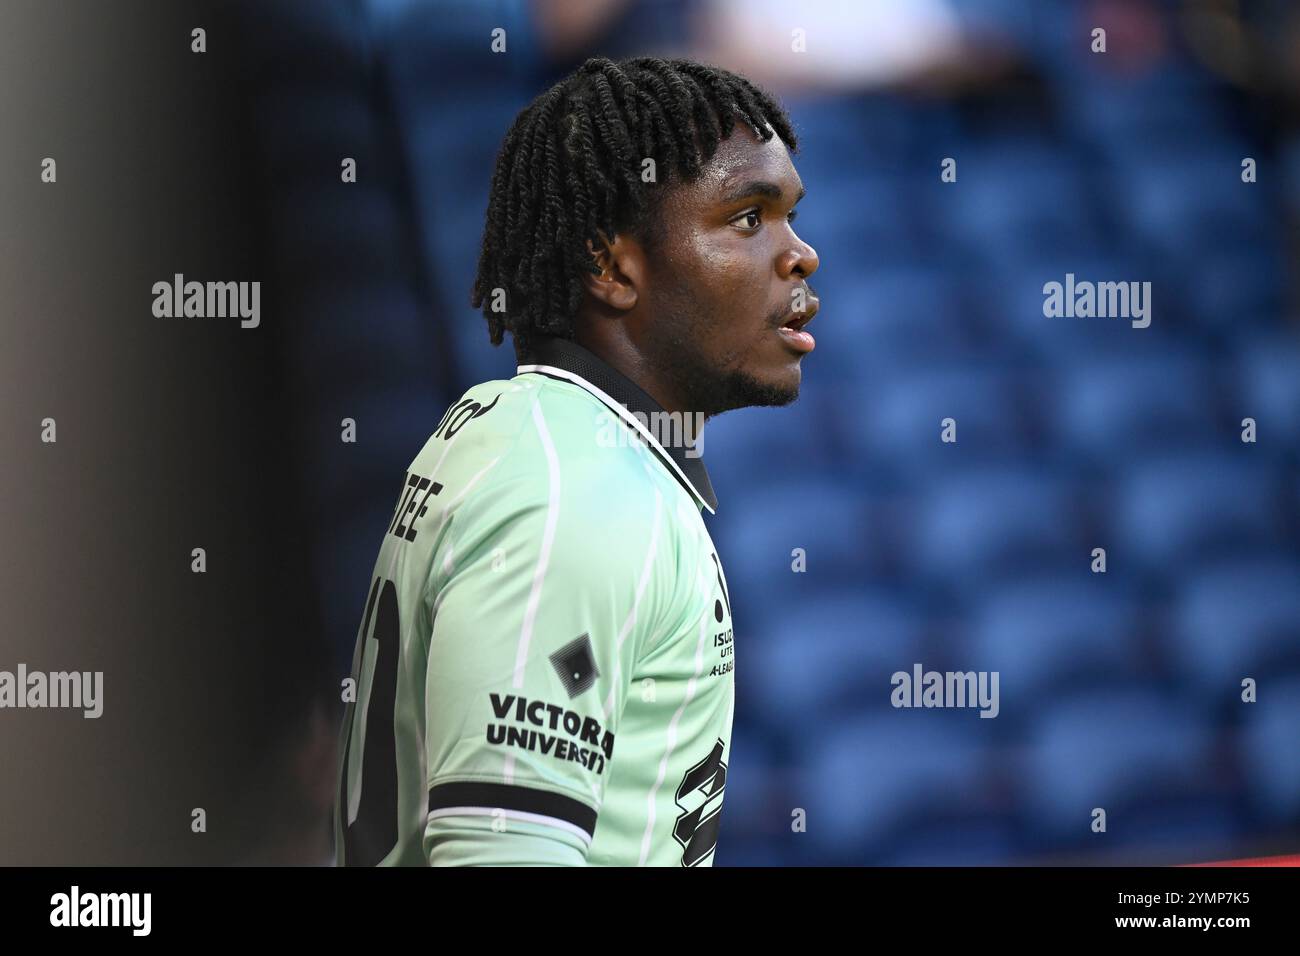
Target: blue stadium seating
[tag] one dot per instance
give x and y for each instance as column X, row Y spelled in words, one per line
column 826, row 651
column 1117, row 749
column 1109, row 408
column 865, row 778
column 765, row 524
column 1013, row 196
column 1270, row 751
column 977, row 524
column 1054, row 630
column 1174, row 511
column 1238, row 619
column 897, row 425
column 1269, row 390
column 987, row 840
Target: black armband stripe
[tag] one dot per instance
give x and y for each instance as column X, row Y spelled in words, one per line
column 513, row 797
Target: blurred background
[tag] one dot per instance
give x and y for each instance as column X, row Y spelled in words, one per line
column 1120, row 689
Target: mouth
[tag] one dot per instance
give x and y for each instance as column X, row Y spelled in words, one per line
column 793, row 328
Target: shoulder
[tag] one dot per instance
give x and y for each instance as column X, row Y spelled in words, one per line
column 569, row 442
column 485, row 420
column 563, row 455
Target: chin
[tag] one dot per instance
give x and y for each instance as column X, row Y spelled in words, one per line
column 770, row 389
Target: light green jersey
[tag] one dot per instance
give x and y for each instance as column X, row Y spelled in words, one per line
column 543, row 673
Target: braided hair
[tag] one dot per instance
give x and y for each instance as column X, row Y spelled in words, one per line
column 571, row 165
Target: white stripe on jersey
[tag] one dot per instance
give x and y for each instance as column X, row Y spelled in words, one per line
column 539, row 575
column 521, row 815
column 446, row 516
column 636, row 602
column 672, row 741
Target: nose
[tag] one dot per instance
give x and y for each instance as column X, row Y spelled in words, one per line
column 802, row 260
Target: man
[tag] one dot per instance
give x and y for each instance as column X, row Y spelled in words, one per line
column 544, row 671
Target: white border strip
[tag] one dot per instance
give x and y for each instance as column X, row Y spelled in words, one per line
column 521, row 815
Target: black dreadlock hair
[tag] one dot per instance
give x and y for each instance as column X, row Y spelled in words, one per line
column 571, row 165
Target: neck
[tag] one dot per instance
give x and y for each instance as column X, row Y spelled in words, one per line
column 611, row 342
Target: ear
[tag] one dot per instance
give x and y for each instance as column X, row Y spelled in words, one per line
column 621, row 262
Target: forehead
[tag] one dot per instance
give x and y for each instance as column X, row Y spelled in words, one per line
column 740, row 159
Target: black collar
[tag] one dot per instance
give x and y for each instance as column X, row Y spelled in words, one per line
column 568, row 361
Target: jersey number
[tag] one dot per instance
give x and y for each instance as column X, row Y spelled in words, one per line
column 372, row 834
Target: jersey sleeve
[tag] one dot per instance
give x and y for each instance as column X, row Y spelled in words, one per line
column 540, row 601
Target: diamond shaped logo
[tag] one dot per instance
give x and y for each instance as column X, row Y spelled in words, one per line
column 576, row 665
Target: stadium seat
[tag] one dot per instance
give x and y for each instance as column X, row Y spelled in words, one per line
column 863, row 779
column 793, row 443
column 1176, row 200
column 1178, row 828
column 879, row 319
column 897, row 425
column 1178, row 510
column 1232, row 289
column 881, row 220
column 1010, row 292
column 1013, row 196
column 1111, row 409
column 1268, row 372
column 1053, row 630
column 976, row 524
column 982, row 841
column 827, row 650
column 1237, row 619
column 1114, row 749
column 765, row 523
column 1112, row 116
column 1270, row 750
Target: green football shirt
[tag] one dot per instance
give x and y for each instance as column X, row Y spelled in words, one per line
column 543, row 672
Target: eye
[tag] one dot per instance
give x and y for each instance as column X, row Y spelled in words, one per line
column 757, row 216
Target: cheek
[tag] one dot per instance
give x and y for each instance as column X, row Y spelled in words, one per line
column 731, row 272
